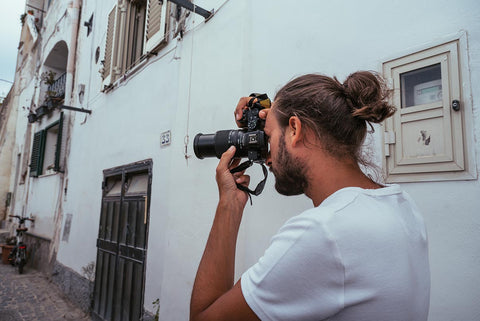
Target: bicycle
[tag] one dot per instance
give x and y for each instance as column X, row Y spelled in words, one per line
column 18, row 255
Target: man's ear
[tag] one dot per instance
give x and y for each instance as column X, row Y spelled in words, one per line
column 296, row 130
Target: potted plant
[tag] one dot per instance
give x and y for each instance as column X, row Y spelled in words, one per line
column 22, row 18
column 32, row 117
column 48, row 77
column 7, row 248
column 51, row 99
column 42, row 110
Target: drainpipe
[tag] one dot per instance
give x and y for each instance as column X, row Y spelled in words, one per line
column 72, row 52
column 74, row 7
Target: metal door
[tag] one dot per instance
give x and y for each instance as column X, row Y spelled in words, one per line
column 122, row 243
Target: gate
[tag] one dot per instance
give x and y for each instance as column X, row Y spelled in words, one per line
column 122, row 243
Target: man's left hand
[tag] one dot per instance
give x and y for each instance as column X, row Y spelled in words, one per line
column 227, row 182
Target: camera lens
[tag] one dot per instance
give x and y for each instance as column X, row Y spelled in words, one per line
column 204, row 145
column 214, row 145
column 253, row 145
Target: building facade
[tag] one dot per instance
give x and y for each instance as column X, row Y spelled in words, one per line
column 110, row 95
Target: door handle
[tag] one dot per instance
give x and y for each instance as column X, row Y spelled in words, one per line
column 456, row 105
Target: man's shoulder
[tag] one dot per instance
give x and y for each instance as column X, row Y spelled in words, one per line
column 351, row 201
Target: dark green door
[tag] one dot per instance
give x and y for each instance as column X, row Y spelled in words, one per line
column 122, row 243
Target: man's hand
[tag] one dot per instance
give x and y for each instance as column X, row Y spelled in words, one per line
column 243, row 104
column 227, row 182
column 214, row 296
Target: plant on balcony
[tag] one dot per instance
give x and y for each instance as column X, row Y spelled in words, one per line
column 48, row 77
column 22, row 18
column 52, row 99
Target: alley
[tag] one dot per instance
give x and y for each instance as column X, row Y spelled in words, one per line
column 31, row 296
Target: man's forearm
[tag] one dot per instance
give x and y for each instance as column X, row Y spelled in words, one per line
column 215, row 275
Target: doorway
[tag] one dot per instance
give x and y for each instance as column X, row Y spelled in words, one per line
column 122, row 242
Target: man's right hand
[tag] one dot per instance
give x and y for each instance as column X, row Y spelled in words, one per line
column 243, row 104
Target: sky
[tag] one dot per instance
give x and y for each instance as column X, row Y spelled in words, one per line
column 10, row 27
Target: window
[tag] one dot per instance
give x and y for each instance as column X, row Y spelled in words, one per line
column 426, row 139
column 134, row 29
column 46, row 149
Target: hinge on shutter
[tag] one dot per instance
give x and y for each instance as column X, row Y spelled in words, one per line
column 389, row 138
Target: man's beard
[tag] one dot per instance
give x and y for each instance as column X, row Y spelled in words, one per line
column 289, row 173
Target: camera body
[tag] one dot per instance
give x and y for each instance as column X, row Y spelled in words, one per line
column 250, row 142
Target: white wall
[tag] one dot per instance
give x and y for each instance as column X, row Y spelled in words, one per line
column 25, row 92
column 255, row 46
column 45, row 192
column 7, row 148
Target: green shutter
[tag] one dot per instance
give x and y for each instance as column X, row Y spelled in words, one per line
column 36, row 161
column 58, row 147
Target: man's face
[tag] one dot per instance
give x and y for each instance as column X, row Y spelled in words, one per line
column 289, row 171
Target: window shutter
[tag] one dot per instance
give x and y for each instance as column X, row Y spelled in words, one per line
column 58, row 147
column 133, row 36
column 36, row 161
column 156, row 31
column 107, row 65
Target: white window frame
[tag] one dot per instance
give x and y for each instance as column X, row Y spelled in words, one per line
column 116, row 66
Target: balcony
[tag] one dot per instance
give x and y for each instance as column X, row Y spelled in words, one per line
column 57, row 88
column 54, row 96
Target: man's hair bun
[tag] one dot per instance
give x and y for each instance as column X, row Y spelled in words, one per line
column 337, row 114
column 367, row 95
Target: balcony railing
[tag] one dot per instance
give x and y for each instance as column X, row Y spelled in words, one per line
column 57, row 89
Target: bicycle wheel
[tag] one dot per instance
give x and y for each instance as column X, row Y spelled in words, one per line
column 21, row 260
column 12, row 256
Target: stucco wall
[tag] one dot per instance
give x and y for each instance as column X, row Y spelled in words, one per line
column 7, row 145
column 40, row 197
column 253, row 46
column 25, row 91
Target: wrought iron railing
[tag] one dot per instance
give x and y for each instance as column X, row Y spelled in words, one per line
column 58, row 87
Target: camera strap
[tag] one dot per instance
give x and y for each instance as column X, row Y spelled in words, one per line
column 259, row 189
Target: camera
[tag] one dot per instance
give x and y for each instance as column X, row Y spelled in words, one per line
column 250, row 141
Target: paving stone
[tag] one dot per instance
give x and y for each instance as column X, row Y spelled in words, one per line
column 31, row 296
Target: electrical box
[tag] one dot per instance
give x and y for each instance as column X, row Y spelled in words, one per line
column 428, row 92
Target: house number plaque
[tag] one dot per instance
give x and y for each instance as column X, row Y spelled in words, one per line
column 165, row 138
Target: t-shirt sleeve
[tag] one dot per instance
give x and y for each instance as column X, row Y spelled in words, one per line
column 300, row 277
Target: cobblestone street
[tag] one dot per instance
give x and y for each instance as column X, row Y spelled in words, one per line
column 31, row 296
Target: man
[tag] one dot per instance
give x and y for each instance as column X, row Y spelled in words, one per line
column 359, row 254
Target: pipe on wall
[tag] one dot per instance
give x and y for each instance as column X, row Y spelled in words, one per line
column 75, row 6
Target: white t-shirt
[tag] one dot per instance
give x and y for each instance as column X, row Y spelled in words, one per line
column 360, row 255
